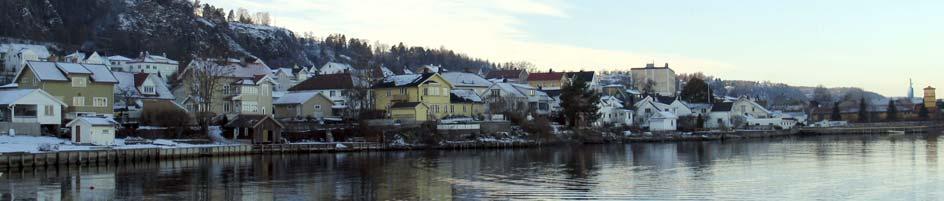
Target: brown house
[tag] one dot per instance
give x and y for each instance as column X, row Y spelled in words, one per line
column 258, row 129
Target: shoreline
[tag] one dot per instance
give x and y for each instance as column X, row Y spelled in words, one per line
column 22, row 160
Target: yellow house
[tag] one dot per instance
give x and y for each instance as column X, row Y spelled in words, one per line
column 431, row 89
column 466, row 103
column 547, row 81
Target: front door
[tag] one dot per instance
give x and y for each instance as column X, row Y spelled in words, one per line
column 78, row 133
column 265, row 136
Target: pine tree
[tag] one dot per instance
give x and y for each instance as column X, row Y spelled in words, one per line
column 579, row 103
column 231, row 17
column 892, row 112
column 924, row 113
column 696, row 91
column 836, row 116
column 863, row 111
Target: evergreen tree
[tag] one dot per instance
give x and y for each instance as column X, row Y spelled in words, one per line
column 579, row 103
column 231, row 17
column 696, row 91
column 836, row 116
column 863, row 111
column 924, row 113
column 892, row 112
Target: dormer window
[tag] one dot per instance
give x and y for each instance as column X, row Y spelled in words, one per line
column 79, row 82
column 532, row 92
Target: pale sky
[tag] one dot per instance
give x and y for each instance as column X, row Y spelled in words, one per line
column 875, row 45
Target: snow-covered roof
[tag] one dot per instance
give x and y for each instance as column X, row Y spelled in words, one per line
column 147, row 57
column 664, row 115
column 403, row 80
column 45, row 71
column 386, row 71
column 464, row 96
column 73, row 68
column 13, row 48
column 101, row 73
column 118, row 58
column 295, row 98
column 523, row 90
column 127, row 83
column 77, row 56
column 333, row 67
column 461, row 79
column 429, row 68
column 95, row 121
column 235, row 69
column 11, row 96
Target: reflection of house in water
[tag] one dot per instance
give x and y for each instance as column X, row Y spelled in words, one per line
column 81, row 186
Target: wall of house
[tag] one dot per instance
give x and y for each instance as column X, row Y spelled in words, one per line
column 317, row 107
column 466, row 109
column 664, row 79
column 66, row 93
column 718, row 119
column 41, row 102
column 742, row 107
column 438, row 102
column 260, row 133
column 546, row 84
column 419, row 113
column 96, row 135
column 165, row 70
column 662, row 125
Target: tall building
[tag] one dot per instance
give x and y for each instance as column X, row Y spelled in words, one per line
column 663, row 80
column 930, row 100
column 910, row 90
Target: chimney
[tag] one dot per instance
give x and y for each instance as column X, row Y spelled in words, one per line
column 666, row 64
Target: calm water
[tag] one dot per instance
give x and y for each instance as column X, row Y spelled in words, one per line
column 811, row 168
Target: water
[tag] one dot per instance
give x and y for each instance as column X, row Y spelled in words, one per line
column 809, row 168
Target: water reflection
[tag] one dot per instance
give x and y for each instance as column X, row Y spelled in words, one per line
column 832, row 167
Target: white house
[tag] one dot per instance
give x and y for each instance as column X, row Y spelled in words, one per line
column 31, row 106
column 663, row 121
column 517, row 97
column 726, row 114
column 118, row 63
column 612, row 112
column 14, row 56
column 93, row 130
column 335, row 68
column 147, row 63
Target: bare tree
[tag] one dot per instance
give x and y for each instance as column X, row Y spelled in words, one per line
column 205, row 80
column 128, row 97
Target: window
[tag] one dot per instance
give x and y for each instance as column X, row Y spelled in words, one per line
column 227, row 107
column 148, row 89
column 79, row 82
column 49, row 110
column 452, row 108
column 100, row 102
column 333, row 93
column 402, row 91
column 24, row 111
column 496, row 92
column 317, row 107
column 389, row 92
column 250, row 107
column 78, row 101
column 532, row 92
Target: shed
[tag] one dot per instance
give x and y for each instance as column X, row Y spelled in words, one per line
column 409, row 111
column 663, row 121
column 258, row 129
column 93, row 130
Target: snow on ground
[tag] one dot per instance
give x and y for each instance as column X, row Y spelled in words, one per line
column 32, row 144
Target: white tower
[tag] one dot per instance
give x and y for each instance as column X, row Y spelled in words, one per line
column 910, row 90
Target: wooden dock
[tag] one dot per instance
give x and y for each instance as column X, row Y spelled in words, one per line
column 865, row 130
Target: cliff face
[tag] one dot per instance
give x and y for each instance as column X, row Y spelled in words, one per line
column 126, row 27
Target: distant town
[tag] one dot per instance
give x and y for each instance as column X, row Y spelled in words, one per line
column 90, row 99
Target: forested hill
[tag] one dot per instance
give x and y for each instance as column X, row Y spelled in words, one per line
column 183, row 30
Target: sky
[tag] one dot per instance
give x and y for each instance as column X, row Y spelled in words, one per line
column 875, row 45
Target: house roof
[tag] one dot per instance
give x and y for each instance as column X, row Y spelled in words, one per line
column 118, row 58
column 296, row 98
column 131, row 82
column 95, row 121
column 405, row 104
column 464, row 96
column 466, row 79
column 403, row 80
column 73, row 68
column 54, row 71
column 664, row 99
column 722, row 107
column 501, row 74
column 324, row 82
column 582, row 75
column 250, row 121
column 334, row 67
column 11, row 96
column 664, row 115
column 545, row 76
